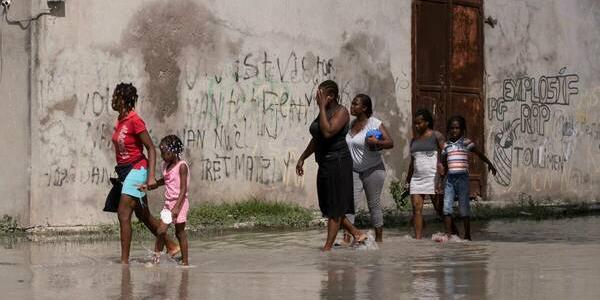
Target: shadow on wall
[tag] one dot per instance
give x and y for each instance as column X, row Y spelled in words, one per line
column 363, row 66
column 161, row 30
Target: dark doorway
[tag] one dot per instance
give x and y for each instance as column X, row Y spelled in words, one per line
column 447, row 57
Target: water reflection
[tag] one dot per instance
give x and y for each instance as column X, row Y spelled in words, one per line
column 126, row 283
column 340, row 283
column 458, row 279
column 405, row 268
column 182, row 292
column 559, row 262
column 157, row 282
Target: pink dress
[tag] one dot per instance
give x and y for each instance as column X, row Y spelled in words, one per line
column 172, row 185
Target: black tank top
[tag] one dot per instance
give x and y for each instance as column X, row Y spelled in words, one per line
column 329, row 148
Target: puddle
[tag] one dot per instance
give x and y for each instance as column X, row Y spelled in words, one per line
column 554, row 259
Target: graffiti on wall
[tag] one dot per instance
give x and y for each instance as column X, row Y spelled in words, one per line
column 60, row 176
column 236, row 124
column 527, row 107
column 261, row 99
column 262, row 91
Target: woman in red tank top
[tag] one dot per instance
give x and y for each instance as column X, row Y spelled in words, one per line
column 129, row 139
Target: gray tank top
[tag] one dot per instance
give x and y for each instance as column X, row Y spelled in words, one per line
column 426, row 144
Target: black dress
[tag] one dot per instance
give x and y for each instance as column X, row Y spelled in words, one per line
column 334, row 177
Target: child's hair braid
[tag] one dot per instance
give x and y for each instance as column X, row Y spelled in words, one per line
column 173, row 144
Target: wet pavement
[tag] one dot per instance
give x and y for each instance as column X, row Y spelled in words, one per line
column 553, row 259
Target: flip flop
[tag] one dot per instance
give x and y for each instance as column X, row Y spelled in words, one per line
column 156, row 258
column 343, row 242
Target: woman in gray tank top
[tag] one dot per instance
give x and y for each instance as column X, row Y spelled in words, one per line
column 424, row 169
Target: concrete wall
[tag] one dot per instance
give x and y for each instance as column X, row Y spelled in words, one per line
column 15, row 102
column 543, row 98
column 235, row 79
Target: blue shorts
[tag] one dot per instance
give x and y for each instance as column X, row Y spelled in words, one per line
column 457, row 185
column 134, row 179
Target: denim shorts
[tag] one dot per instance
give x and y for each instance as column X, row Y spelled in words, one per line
column 134, row 179
column 457, row 185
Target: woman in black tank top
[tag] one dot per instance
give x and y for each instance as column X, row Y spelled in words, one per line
column 334, row 176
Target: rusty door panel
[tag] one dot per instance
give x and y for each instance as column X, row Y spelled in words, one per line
column 430, row 63
column 448, row 68
column 466, row 64
column 476, row 3
column 434, row 102
column 466, row 82
column 431, row 60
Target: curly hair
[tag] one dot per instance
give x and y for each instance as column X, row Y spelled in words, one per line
column 426, row 114
column 128, row 93
column 173, row 144
column 462, row 123
column 330, row 88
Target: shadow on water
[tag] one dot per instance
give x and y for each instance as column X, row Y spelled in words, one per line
column 508, row 260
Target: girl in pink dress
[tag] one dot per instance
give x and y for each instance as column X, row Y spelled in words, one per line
column 176, row 178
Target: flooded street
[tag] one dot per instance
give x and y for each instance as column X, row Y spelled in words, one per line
column 554, row 259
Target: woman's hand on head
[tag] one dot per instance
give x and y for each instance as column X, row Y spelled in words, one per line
column 299, row 167
column 321, row 99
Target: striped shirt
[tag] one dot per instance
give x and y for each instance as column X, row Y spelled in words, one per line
column 457, row 155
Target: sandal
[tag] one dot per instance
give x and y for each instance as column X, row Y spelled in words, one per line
column 347, row 240
column 156, row 258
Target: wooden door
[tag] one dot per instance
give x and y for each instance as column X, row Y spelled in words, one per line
column 447, row 40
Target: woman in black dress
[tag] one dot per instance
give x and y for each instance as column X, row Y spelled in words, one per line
column 334, row 176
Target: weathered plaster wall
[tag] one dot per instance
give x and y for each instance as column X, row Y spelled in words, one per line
column 235, row 79
column 543, row 96
column 14, row 100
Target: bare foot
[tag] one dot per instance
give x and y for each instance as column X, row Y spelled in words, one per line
column 379, row 235
column 361, row 237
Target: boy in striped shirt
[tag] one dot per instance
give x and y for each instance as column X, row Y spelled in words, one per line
column 455, row 155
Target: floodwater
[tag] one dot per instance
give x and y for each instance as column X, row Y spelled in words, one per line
column 555, row 259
